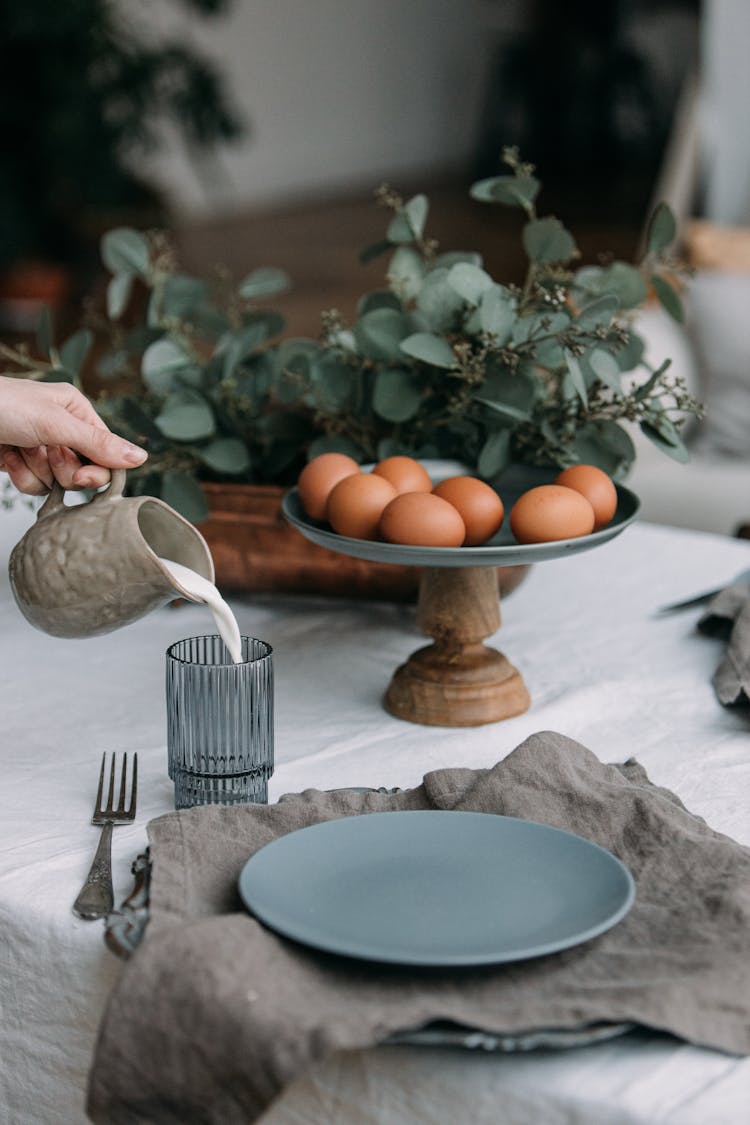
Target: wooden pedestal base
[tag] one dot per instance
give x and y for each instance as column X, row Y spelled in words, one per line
column 457, row 681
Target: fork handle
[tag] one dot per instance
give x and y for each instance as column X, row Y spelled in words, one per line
column 96, row 898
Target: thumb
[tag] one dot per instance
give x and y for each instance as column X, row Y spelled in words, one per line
column 96, row 443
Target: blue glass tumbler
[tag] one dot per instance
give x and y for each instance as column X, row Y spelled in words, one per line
column 219, row 722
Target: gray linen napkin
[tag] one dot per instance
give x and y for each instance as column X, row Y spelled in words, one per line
column 214, row 1014
column 728, row 615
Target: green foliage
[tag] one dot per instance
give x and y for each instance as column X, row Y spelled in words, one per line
column 441, row 361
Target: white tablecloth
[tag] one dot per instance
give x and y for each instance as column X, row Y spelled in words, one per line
column 600, row 668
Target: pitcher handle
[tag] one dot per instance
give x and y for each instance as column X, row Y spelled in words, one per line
column 55, row 500
column 115, row 488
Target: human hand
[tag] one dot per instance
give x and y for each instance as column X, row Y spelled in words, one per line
column 45, row 430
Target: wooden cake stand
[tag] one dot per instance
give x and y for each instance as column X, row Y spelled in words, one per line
column 458, row 681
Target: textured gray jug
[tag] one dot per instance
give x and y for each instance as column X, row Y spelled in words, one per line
column 90, row 568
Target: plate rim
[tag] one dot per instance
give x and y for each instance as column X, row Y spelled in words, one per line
column 270, row 918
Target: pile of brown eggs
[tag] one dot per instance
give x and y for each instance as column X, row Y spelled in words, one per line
column 397, row 502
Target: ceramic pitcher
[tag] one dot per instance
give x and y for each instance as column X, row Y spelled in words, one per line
column 90, row 568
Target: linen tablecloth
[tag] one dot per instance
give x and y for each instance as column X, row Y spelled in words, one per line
column 600, row 668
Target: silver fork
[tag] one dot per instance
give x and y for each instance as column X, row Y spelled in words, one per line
column 96, row 898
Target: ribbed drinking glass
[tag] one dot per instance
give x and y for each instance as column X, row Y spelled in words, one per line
column 219, row 721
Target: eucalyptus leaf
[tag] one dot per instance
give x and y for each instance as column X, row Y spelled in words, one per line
column 631, row 354
column 378, row 299
column 519, row 190
column 546, row 240
column 627, row 283
column 646, row 389
column 396, row 394
column 75, row 349
column 161, row 361
column 293, row 381
column 619, row 280
column 668, row 298
column 494, row 455
column 186, row 416
column 237, row 346
column 125, row 250
column 606, row 368
column 470, row 282
column 119, row 288
column 504, row 409
column 428, row 348
column 139, row 423
column 662, row 229
column 333, row 380
column 666, row 439
column 183, row 493
column 497, row 313
column 598, row 312
column 439, row 302
column 511, row 393
column 576, row 377
column 226, row 455
column 182, row 295
column 406, row 272
column 408, row 224
column 453, row 257
column 264, row 282
column 379, row 333
column 605, row 444
column 376, row 250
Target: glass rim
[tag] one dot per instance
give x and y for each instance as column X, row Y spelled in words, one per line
column 171, row 655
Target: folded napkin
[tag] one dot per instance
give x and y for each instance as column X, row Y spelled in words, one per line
column 728, row 615
column 214, row 1014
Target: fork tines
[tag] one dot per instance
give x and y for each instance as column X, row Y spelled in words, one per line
column 109, row 811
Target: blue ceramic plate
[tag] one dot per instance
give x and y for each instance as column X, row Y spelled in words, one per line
column 436, row 888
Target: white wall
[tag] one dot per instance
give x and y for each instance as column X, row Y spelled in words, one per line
column 339, row 94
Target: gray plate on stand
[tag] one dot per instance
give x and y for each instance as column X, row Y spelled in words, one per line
column 502, row 550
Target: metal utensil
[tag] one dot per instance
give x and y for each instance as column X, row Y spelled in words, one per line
column 96, row 898
column 701, row 599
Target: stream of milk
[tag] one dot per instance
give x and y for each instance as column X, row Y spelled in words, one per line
column 199, row 589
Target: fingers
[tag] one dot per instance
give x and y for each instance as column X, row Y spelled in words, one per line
column 92, row 440
column 90, row 476
column 32, row 471
column 69, row 471
column 57, row 414
column 37, row 461
column 22, row 476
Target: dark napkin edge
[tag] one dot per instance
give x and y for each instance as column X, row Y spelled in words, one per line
column 723, row 609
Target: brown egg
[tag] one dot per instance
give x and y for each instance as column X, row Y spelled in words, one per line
column 596, row 486
column 551, row 512
column 421, row 519
column 318, row 478
column 356, row 504
column 478, row 505
column 405, row 474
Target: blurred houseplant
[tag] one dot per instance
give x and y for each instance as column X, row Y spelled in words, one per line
column 83, row 92
column 443, row 361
